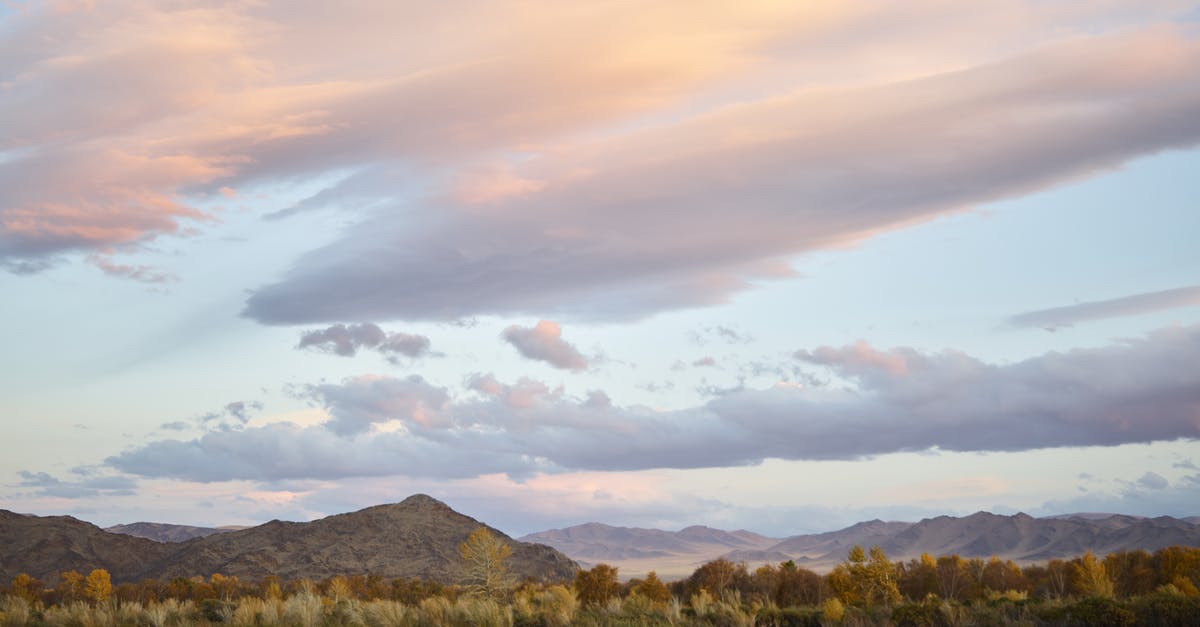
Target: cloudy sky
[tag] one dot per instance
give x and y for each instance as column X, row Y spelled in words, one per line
column 779, row 266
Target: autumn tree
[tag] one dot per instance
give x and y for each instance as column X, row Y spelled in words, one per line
column 26, row 587
column 797, row 586
column 1132, row 572
column 717, row 576
column 918, row 578
column 225, row 587
column 868, row 578
column 70, row 586
column 598, row 585
column 1057, row 578
column 653, row 588
column 1090, row 577
column 951, row 576
column 1001, row 576
column 485, row 564
column 98, row 586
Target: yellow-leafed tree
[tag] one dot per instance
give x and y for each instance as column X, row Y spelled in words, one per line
column 98, row 586
column 485, row 564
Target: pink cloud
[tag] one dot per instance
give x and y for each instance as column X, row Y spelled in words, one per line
column 692, row 212
column 544, row 342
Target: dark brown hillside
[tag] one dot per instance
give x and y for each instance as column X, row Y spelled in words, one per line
column 418, row 537
column 46, row 546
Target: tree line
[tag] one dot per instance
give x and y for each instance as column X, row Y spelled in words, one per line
column 1122, row 588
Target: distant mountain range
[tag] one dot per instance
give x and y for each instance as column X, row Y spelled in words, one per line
column 418, row 537
column 164, row 532
column 1020, row 537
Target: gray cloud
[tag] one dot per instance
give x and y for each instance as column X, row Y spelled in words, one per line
column 45, row 484
column 544, row 342
column 609, row 231
column 1140, row 390
column 238, row 410
column 359, row 403
column 1152, row 481
column 341, row 339
column 347, row 340
column 1178, row 499
column 233, row 415
column 721, row 333
column 1057, row 317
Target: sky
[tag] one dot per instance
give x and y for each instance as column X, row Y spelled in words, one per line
column 765, row 265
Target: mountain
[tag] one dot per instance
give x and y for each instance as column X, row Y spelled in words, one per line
column 162, row 532
column 636, row 551
column 1020, row 537
column 418, row 537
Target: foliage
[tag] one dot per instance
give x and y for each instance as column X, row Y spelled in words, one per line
column 1157, row 590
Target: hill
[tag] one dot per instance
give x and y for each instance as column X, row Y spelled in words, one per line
column 417, row 537
column 163, row 532
column 44, row 546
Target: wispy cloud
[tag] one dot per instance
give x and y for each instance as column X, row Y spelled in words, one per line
column 1149, row 302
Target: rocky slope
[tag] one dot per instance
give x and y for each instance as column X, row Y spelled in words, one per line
column 417, row 537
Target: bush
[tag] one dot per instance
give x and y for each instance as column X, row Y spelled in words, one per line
column 1098, row 612
column 773, row 616
column 1163, row 609
column 916, row 615
column 217, row 611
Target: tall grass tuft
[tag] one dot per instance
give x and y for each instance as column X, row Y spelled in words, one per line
column 389, row 614
column 481, row 612
column 304, row 609
column 15, row 611
column 252, row 611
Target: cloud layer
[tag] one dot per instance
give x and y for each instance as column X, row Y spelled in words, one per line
column 692, row 213
column 1140, row 390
